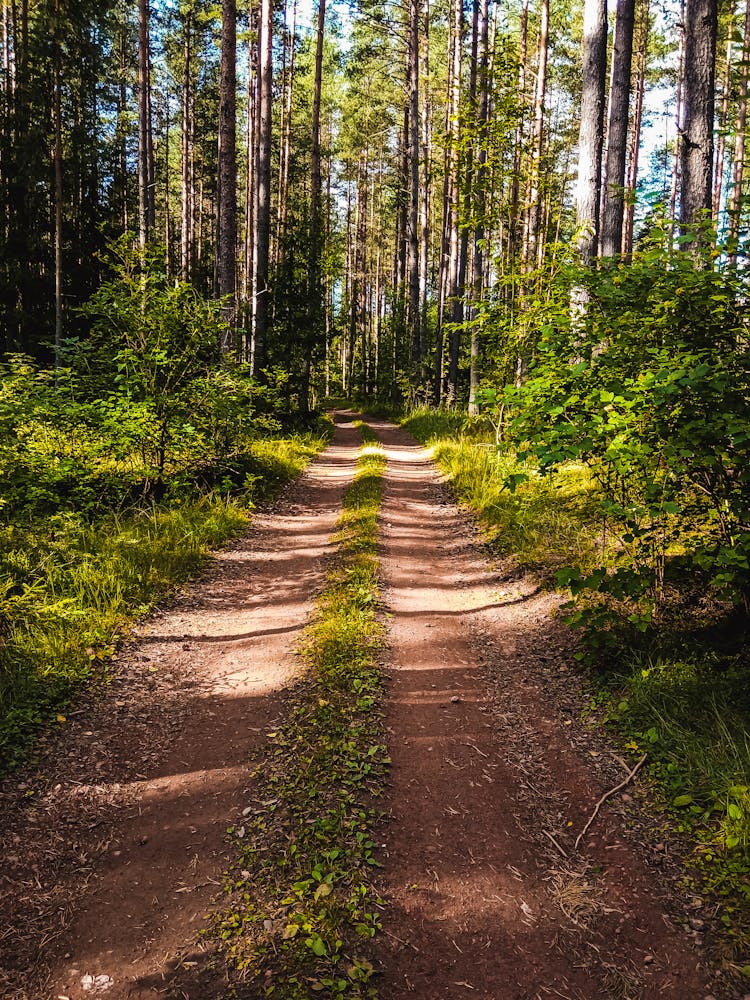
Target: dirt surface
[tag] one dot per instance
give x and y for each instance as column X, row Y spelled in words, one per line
column 114, row 849
column 489, row 898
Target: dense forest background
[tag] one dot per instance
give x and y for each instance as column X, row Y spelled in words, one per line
column 378, row 200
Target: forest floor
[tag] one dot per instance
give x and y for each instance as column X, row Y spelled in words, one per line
column 114, row 847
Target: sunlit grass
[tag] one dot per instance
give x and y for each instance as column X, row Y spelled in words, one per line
column 545, row 523
column 70, row 587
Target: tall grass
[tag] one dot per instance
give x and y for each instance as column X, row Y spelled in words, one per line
column 70, row 587
column 544, row 523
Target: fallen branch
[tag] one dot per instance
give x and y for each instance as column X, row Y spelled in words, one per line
column 625, row 781
column 558, row 846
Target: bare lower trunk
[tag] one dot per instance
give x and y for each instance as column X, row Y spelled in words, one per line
column 617, row 130
column 263, row 188
column 697, row 133
column 592, row 127
column 226, row 262
column 145, row 192
column 738, row 168
column 639, row 87
column 533, row 206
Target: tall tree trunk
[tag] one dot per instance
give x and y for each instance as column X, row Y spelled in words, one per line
column 426, row 138
column 679, row 99
column 738, row 167
column 617, row 130
column 167, row 201
column 250, row 183
column 122, row 135
column 226, row 259
column 263, row 187
column 455, row 291
column 450, row 243
column 187, row 189
column 722, row 123
column 533, row 205
column 639, row 88
column 414, row 194
column 145, row 191
column 592, row 127
column 697, row 133
column 480, row 205
column 519, row 134
column 285, row 155
column 315, row 288
column 58, row 171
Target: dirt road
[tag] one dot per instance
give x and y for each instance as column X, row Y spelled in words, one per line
column 117, row 846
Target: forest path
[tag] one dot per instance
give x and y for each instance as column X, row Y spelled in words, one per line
column 117, row 848
column 114, row 850
column 482, row 766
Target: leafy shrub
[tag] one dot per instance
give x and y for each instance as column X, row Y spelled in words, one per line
column 649, row 384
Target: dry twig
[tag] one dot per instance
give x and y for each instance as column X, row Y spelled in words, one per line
column 625, row 781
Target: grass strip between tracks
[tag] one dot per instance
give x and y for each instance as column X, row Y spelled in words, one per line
column 303, row 908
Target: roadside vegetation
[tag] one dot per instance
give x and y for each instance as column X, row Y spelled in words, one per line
column 618, row 470
column 303, row 905
column 118, row 473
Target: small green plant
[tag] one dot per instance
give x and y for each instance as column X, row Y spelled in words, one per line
column 303, row 904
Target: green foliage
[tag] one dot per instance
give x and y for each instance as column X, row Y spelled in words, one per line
column 303, row 904
column 647, row 382
column 117, row 473
column 70, row 587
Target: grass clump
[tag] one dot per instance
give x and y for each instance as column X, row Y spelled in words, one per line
column 71, row 584
column 690, row 712
column 542, row 522
column 304, row 908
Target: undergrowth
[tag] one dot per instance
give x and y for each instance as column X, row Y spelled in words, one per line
column 303, row 906
column 71, row 584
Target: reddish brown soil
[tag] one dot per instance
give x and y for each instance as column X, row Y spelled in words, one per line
column 114, row 849
column 477, row 889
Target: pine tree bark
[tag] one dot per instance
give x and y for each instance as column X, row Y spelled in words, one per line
column 263, row 189
column 414, row 190
column 617, row 130
column 738, row 166
column 145, row 144
column 679, row 100
column 226, row 262
column 721, row 141
column 639, row 89
column 426, row 139
column 530, row 249
column 697, row 132
column 455, row 270
column 480, row 205
column 58, row 172
column 315, row 287
column 591, row 134
column 187, row 189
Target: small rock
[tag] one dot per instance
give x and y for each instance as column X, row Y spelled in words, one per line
column 648, row 959
column 96, row 984
column 455, row 699
column 696, row 924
